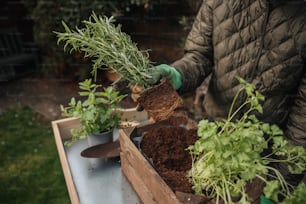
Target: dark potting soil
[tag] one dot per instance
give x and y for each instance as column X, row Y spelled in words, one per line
column 165, row 145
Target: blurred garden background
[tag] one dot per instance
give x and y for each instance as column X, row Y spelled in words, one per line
column 36, row 76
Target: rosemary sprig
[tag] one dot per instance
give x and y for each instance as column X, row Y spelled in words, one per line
column 109, row 48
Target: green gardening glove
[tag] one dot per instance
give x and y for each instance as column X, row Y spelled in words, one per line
column 166, row 71
column 265, row 200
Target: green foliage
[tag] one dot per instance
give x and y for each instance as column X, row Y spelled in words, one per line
column 298, row 196
column 96, row 112
column 109, row 48
column 227, row 154
column 30, row 170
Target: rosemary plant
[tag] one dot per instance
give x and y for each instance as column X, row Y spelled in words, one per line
column 109, row 48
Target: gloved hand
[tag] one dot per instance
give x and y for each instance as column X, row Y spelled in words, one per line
column 166, row 71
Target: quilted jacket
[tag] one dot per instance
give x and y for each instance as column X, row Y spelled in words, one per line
column 264, row 43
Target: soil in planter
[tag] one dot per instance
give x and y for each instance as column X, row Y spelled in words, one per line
column 164, row 144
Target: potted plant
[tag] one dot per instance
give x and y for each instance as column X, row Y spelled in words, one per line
column 111, row 49
column 96, row 113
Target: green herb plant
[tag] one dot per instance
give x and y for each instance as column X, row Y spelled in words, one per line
column 227, row 154
column 109, row 48
column 96, row 113
column 298, row 196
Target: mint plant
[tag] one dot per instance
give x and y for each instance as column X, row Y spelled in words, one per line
column 96, row 113
column 227, row 154
column 109, row 48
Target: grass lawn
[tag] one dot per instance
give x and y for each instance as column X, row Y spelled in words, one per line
column 30, row 170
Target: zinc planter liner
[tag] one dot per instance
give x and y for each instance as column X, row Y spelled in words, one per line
column 102, row 184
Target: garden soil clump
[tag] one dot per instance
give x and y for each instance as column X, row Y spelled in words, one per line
column 160, row 101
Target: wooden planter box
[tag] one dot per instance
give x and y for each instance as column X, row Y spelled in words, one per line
column 61, row 130
column 147, row 183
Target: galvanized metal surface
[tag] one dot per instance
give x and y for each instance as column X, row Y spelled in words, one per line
column 98, row 181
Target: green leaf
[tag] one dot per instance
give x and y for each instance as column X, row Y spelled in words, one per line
column 296, row 197
column 198, row 147
column 72, row 102
column 279, row 142
column 227, row 154
column 276, row 130
column 272, row 189
column 206, row 129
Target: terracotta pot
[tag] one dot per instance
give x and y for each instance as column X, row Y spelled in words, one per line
column 160, row 101
column 111, row 76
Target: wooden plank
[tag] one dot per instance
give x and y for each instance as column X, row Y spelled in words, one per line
column 65, row 125
column 136, row 182
column 59, row 127
column 145, row 172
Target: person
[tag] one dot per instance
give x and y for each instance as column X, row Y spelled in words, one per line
column 261, row 41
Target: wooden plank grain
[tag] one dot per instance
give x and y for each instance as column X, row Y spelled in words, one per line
column 64, row 162
column 143, row 192
column 145, row 172
column 65, row 125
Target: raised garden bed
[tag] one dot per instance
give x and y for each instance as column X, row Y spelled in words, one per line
column 156, row 165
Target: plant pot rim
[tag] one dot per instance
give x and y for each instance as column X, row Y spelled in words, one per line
column 101, row 133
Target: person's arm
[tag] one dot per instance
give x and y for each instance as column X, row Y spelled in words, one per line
column 197, row 61
column 296, row 126
column 295, row 132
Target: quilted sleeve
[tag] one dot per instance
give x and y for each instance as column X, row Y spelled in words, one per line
column 296, row 126
column 196, row 64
